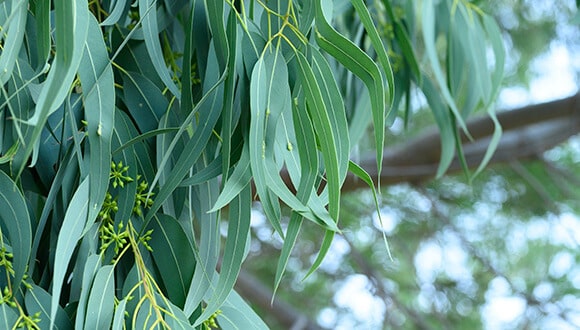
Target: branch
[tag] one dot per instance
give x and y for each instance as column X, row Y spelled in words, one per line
column 527, row 132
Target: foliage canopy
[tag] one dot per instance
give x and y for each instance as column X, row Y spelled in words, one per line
column 131, row 132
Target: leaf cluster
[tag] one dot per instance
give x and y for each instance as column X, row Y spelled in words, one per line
column 127, row 128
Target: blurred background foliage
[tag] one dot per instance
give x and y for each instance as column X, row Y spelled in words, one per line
column 500, row 252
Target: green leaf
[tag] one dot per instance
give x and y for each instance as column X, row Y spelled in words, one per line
column 363, row 175
column 70, row 233
column 173, row 255
column 495, row 37
column 408, row 51
column 237, row 182
column 38, row 300
column 90, row 268
column 336, row 111
column 443, row 120
column 378, row 45
column 119, row 317
column 428, row 21
column 67, row 167
column 151, row 35
column 9, row 154
column 42, row 15
column 321, row 122
column 16, row 220
column 175, row 318
column 209, row 247
column 309, row 172
column 96, row 75
column 101, row 304
column 209, row 108
column 69, row 47
column 260, row 91
column 326, row 242
column 359, row 63
column 13, row 29
column 118, row 8
column 237, row 314
column 145, row 101
column 238, row 235
column 229, row 93
column 215, row 14
column 8, row 317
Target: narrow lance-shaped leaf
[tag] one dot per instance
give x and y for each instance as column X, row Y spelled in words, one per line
column 91, row 266
column 379, row 47
column 115, row 14
column 494, row 35
column 70, row 233
column 209, row 246
column 335, row 110
column 259, row 87
column 16, row 220
column 238, row 234
column 69, row 47
column 15, row 34
column 101, row 304
column 359, row 63
column 151, row 35
column 96, row 75
column 229, row 91
column 173, row 255
column 428, row 15
column 209, row 108
column 215, row 14
column 309, row 171
column 322, row 126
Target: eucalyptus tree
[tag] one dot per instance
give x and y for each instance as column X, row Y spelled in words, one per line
column 132, row 133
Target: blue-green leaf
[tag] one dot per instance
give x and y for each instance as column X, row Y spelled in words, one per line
column 321, row 122
column 101, row 304
column 428, row 21
column 145, row 101
column 148, row 13
column 91, row 267
column 38, row 300
column 359, row 63
column 70, row 233
column 14, row 31
column 118, row 8
column 8, row 317
column 96, row 75
column 238, row 234
column 69, row 48
column 15, row 218
column 173, row 255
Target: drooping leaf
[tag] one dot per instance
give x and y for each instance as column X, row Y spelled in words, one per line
column 100, row 306
column 14, row 30
column 359, row 63
column 148, row 13
column 96, row 75
column 16, row 219
column 173, row 255
column 238, row 234
column 70, row 233
column 38, row 300
column 69, row 46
